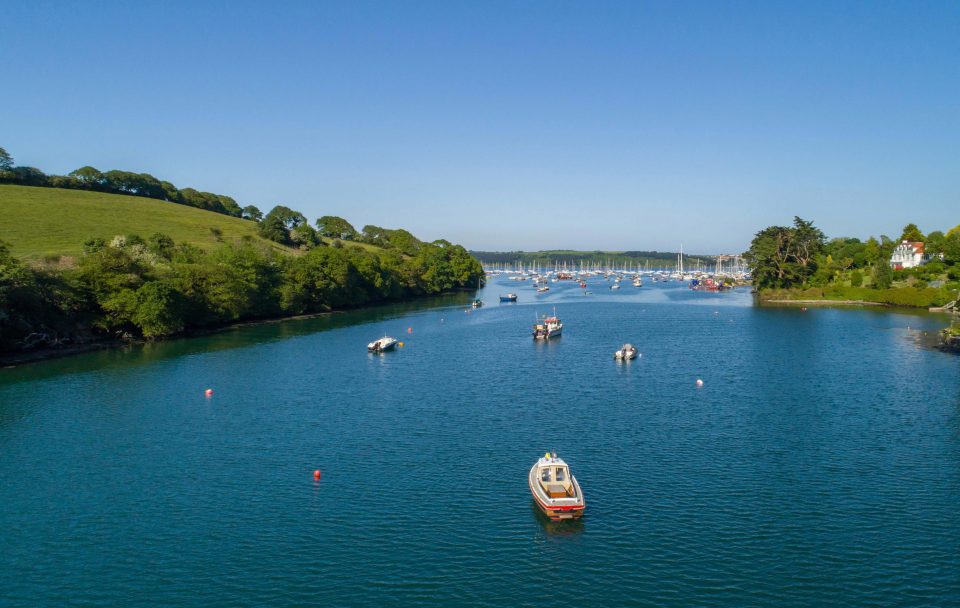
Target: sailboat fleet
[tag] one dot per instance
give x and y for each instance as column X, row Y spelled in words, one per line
column 729, row 269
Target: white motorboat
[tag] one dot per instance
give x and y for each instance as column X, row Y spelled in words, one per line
column 555, row 489
column 382, row 345
column 626, row 353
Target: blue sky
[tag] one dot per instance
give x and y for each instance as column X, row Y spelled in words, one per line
column 509, row 125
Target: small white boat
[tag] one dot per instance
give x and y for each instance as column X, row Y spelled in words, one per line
column 382, row 345
column 615, row 286
column 626, row 353
column 555, row 489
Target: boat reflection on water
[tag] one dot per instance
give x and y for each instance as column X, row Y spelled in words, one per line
column 566, row 527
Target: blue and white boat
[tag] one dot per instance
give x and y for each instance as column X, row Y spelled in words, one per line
column 510, row 297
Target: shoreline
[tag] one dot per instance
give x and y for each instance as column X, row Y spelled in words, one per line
column 9, row 361
column 12, row 360
column 826, row 302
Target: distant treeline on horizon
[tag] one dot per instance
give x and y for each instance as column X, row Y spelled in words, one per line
column 662, row 258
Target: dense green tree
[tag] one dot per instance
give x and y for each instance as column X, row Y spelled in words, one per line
column 911, row 233
column 28, row 176
column 304, row 236
column 934, row 243
column 279, row 222
column 871, row 251
column 89, row 177
column 250, row 212
column 769, row 256
column 161, row 245
column 290, row 218
column 272, row 228
column 882, row 275
column 158, row 310
column 951, row 247
column 334, row 227
column 6, row 161
column 785, row 256
column 375, row 235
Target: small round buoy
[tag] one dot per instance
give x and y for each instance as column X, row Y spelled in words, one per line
column 409, row 330
column 316, row 474
column 400, row 344
column 208, row 392
column 699, row 382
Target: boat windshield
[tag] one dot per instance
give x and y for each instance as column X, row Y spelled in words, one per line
column 545, row 475
column 561, row 474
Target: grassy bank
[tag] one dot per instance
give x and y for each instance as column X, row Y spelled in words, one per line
column 39, row 222
column 893, row 296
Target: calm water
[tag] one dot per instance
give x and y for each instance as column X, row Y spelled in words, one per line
column 818, row 465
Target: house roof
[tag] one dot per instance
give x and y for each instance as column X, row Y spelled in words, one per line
column 917, row 246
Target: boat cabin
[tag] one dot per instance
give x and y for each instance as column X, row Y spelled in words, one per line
column 554, row 477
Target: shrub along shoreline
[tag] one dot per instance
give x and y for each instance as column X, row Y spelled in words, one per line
column 926, row 297
column 134, row 289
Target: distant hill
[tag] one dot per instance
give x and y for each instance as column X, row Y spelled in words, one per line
column 37, row 222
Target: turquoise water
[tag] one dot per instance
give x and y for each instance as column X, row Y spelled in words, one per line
column 818, row 465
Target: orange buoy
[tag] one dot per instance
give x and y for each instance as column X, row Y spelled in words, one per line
column 316, row 474
column 208, row 392
column 699, row 382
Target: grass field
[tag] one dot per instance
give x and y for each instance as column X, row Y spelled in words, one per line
column 40, row 222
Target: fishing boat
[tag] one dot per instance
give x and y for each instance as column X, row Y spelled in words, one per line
column 510, row 297
column 543, row 288
column 555, row 489
column 550, row 327
column 382, row 345
column 626, row 353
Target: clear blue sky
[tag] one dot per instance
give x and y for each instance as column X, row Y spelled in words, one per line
column 614, row 125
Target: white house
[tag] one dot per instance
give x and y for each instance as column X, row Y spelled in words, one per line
column 908, row 254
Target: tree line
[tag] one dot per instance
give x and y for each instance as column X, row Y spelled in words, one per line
column 281, row 224
column 123, row 182
column 800, row 256
column 132, row 287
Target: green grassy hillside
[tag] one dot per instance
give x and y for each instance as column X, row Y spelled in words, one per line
column 50, row 221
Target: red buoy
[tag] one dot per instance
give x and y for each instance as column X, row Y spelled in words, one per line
column 409, row 330
column 208, row 392
column 316, row 474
